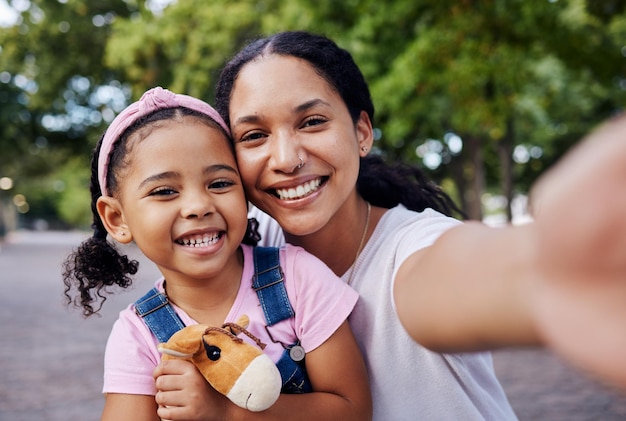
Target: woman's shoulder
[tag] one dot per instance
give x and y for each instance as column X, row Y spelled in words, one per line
column 404, row 229
column 402, row 219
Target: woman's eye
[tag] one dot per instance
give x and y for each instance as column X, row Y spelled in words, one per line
column 314, row 121
column 250, row 137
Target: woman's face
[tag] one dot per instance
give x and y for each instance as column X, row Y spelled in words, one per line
column 283, row 113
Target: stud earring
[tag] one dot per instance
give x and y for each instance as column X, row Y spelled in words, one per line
column 364, row 149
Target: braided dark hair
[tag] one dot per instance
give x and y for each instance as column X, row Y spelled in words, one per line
column 97, row 266
column 381, row 184
column 387, row 186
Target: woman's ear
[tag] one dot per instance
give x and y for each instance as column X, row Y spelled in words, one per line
column 112, row 217
column 364, row 133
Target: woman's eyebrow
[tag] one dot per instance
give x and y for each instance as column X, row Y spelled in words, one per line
column 253, row 118
column 310, row 104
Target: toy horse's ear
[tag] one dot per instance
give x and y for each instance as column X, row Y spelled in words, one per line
column 185, row 343
column 243, row 321
column 173, row 353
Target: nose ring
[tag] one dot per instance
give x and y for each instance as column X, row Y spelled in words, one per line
column 301, row 164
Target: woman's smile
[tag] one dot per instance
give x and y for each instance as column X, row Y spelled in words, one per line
column 300, row 191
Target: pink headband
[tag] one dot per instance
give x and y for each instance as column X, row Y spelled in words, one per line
column 152, row 100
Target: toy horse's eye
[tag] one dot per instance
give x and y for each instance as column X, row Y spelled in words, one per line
column 212, row 351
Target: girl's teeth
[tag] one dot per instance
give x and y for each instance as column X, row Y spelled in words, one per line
column 200, row 241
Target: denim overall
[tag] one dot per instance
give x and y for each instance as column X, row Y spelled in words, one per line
column 160, row 317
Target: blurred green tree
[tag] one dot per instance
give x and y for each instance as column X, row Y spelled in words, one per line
column 485, row 94
column 55, row 93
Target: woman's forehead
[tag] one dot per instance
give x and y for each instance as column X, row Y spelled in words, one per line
column 274, row 80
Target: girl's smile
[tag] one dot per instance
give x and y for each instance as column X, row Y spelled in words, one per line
column 199, row 240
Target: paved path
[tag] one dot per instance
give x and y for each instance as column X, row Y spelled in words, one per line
column 51, row 358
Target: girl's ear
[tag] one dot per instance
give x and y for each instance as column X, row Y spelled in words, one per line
column 364, row 133
column 112, row 217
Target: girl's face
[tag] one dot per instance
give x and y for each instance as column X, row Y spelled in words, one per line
column 182, row 200
column 281, row 110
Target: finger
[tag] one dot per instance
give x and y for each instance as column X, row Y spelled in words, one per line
column 170, row 383
column 174, row 413
column 173, row 368
column 172, row 398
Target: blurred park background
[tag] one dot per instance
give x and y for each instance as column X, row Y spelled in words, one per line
column 485, row 95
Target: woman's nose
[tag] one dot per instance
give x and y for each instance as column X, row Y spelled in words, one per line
column 285, row 152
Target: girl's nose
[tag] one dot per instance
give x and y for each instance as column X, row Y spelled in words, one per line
column 197, row 205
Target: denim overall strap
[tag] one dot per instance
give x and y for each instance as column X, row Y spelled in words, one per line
column 268, row 282
column 158, row 315
column 269, row 286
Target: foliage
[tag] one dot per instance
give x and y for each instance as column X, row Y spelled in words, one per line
column 52, row 101
column 508, row 79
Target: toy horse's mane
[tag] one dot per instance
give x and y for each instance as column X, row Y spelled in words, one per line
column 233, row 330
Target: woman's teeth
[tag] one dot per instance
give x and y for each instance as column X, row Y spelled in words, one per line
column 199, row 240
column 299, row 191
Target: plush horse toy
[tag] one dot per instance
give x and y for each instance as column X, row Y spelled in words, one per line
column 236, row 369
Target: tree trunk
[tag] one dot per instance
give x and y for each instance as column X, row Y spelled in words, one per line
column 505, row 155
column 475, row 176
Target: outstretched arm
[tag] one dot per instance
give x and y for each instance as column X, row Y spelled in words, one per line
column 559, row 281
column 336, row 370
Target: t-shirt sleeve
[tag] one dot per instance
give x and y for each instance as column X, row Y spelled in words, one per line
column 321, row 300
column 422, row 233
column 418, row 235
column 130, row 357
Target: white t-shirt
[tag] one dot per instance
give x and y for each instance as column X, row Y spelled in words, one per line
column 409, row 382
column 321, row 303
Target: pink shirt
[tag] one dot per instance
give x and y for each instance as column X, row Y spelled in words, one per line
column 321, row 302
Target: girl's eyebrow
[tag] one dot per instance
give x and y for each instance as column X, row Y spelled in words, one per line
column 174, row 174
column 253, row 118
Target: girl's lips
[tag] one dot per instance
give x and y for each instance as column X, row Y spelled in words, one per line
column 200, row 240
column 300, row 191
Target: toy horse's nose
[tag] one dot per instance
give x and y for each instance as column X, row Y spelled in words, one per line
column 258, row 386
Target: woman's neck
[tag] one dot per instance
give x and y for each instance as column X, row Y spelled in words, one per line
column 340, row 241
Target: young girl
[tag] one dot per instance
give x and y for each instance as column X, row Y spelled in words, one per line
column 164, row 176
column 301, row 118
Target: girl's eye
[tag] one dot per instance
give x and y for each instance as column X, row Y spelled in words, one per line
column 163, row 191
column 221, row 184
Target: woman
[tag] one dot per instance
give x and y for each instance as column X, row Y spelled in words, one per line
column 300, row 114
